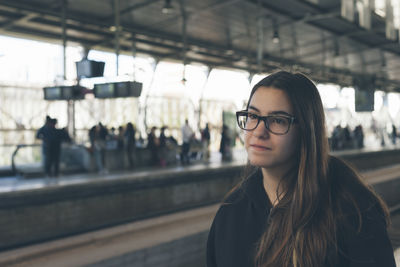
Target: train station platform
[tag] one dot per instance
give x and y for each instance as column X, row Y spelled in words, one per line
column 148, row 217
column 177, row 239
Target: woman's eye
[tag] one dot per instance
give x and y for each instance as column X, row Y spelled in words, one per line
column 253, row 117
column 278, row 120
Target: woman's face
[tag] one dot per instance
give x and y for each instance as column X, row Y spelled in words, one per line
column 265, row 149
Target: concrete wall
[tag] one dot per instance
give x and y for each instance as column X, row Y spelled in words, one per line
column 389, row 191
column 184, row 252
column 370, row 160
column 37, row 215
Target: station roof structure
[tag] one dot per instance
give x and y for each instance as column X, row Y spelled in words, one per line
column 311, row 36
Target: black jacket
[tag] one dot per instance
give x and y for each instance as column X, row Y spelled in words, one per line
column 242, row 218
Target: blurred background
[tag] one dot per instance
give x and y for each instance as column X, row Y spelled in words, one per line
column 98, row 66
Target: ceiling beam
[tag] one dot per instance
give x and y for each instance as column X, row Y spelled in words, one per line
column 291, row 22
column 194, row 14
column 313, row 24
column 132, row 8
column 137, row 6
column 84, row 22
column 11, row 22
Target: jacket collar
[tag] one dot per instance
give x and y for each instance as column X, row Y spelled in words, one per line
column 253, row 187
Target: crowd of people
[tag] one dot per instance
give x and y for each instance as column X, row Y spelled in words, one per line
column 157, row 142
column 345, row 138
column 127, row 140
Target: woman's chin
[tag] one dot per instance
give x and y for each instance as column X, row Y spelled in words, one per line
column 259, row 162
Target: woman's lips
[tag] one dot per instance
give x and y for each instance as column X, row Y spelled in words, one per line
column 259, row 147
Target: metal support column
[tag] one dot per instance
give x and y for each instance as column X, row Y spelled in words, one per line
column 200, row 111
column 294, row 41
column 260, row 43
column 148, row 93
column 64, row 37
column 134, row 57
column 184, row 38
column 324, row 48
column 70, row 103
column 117, row 32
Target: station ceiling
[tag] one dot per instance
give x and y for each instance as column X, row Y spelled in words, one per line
column 313, row 37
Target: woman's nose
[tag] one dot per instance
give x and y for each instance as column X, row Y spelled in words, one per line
column 261, row 131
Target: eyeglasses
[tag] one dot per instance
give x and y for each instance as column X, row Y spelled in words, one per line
column 276, row 124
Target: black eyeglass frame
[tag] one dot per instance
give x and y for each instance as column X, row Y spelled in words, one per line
column 292, row 120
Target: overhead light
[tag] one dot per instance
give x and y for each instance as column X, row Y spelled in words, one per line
column 167, row 8
column 194, row 48
column 275, row 37
column 229, row 52
column 183, row 81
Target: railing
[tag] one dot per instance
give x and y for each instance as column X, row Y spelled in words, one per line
column 74, row 158
column 14, row 154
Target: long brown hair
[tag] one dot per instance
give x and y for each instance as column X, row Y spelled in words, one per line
column 302, row 229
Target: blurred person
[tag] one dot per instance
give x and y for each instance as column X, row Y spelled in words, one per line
column 101, row 139
column 225, row 144
column 140, row 141
column 43, row 134
column 187, row 135
column 111, row 140
column 120, row 138
column 348, row 141
column 205, row 141
column 103, row 131
column 97, row 148
column 383, row 134
column 394, row 134
column 112, row 133
column 91, row 134
column 337, row 142
column 53, row 149
column 130, row 143
column 163, row 146
column 153, row 146
column 163, row 137
column 297, row 206
column 359, row 136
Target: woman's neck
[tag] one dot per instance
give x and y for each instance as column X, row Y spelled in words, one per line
column 273, row 183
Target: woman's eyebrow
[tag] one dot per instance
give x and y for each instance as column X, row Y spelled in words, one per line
column 254, row 108
column 280, row 112
column 275, row 112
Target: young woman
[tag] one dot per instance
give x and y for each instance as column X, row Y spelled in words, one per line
column 298, row 206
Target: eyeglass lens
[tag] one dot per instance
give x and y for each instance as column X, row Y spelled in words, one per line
column 276, row 124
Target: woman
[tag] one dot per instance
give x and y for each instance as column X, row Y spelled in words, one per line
column 298, row 206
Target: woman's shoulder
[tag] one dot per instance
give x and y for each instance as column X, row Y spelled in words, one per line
column 361, row 217
column 366, row 243
column 354, row 198
column 347, row 182
column 240, row 197
column 235, row 197
column 230, row 209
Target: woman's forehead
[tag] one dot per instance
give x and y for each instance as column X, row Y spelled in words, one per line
column 269, row 99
